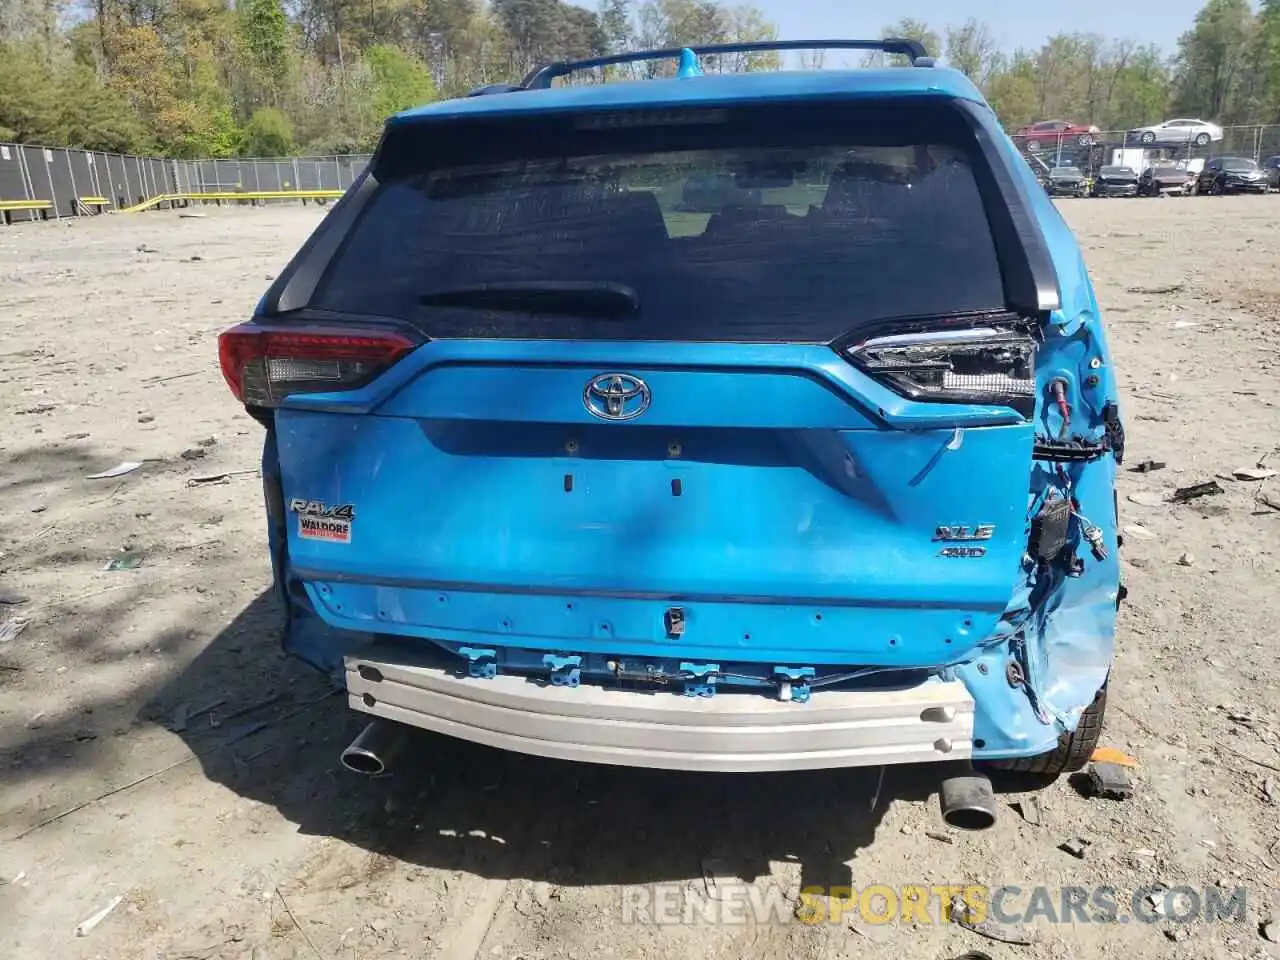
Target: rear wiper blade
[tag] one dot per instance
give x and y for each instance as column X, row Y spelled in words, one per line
column 579, row 298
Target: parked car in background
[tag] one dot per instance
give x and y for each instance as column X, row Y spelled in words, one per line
column 1232, row 175
column 1049, row 133
column 1271, row 167
column 1166, row 179
column 1116, row 182
column 1067, row 182
column 1198, row 132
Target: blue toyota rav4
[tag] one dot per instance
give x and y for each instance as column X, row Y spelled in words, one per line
column 817, row 471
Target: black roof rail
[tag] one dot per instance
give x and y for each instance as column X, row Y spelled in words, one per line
column 490, row 88
column 542, row 77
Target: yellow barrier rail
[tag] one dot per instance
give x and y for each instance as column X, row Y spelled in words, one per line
column 219, row 196
column 8, row 207
column 87, row 205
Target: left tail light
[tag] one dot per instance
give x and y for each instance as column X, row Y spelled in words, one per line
column 263, row 365
column 985, row 365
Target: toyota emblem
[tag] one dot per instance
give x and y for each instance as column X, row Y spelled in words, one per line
column 616, row 396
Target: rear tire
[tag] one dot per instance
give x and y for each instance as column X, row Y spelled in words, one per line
column 1074, row 749
column 1202, row 139
column 1033, row 146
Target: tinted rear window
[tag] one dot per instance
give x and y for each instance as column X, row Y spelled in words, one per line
column 761, row 224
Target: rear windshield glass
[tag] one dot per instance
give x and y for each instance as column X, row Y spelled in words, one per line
column 737, row 225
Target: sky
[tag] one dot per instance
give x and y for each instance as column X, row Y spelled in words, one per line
column 1014, row 22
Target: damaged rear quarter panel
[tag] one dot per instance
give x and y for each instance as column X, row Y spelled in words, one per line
column 1066, row 625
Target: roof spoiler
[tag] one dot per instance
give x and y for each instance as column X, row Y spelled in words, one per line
column 542, row 77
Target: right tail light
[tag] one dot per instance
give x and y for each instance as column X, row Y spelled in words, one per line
column 983, row 365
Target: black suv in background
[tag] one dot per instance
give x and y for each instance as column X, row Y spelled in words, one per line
column 1232, row 175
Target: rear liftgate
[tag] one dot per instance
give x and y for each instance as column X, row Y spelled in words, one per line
column 611, row 525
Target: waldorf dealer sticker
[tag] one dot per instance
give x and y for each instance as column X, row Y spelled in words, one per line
column 319, row 521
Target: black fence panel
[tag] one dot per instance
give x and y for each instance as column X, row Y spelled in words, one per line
column 308, row 174
column 118, row 180
column 99, row 183
column 13, row 183
column 205, row 173
column 82, row 174
column 38, row 172
column 158, row 177
column 350, row 169
column 227, row 176
column 58, row 164
column 183, row 174
column 132, row 180
column 330, row 173
column 272, row 174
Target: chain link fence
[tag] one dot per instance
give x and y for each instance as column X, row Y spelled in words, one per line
column 74, row 182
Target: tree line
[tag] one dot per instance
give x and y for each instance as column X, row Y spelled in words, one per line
column 220, row 78
column 1226, row 68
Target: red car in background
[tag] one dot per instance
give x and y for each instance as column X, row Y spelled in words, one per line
column 1049, row 133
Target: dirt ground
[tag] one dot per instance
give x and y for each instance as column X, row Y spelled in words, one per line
column 238, row 835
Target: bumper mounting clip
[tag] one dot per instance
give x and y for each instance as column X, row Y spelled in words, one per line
column 700, row 679
column 565, row 671
column 793, row 683
column 482, row 664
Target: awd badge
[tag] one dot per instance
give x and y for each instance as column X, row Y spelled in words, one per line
column 964, row 534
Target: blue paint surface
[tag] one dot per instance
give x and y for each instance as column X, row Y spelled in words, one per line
column 493, row 511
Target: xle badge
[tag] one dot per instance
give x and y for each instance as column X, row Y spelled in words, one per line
column 319, row 521
column 983, row 531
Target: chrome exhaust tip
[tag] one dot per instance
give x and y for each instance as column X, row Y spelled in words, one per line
column 373, row 751
column 968, row 802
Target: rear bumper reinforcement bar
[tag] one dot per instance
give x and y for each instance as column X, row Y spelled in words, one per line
column 733, row 732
